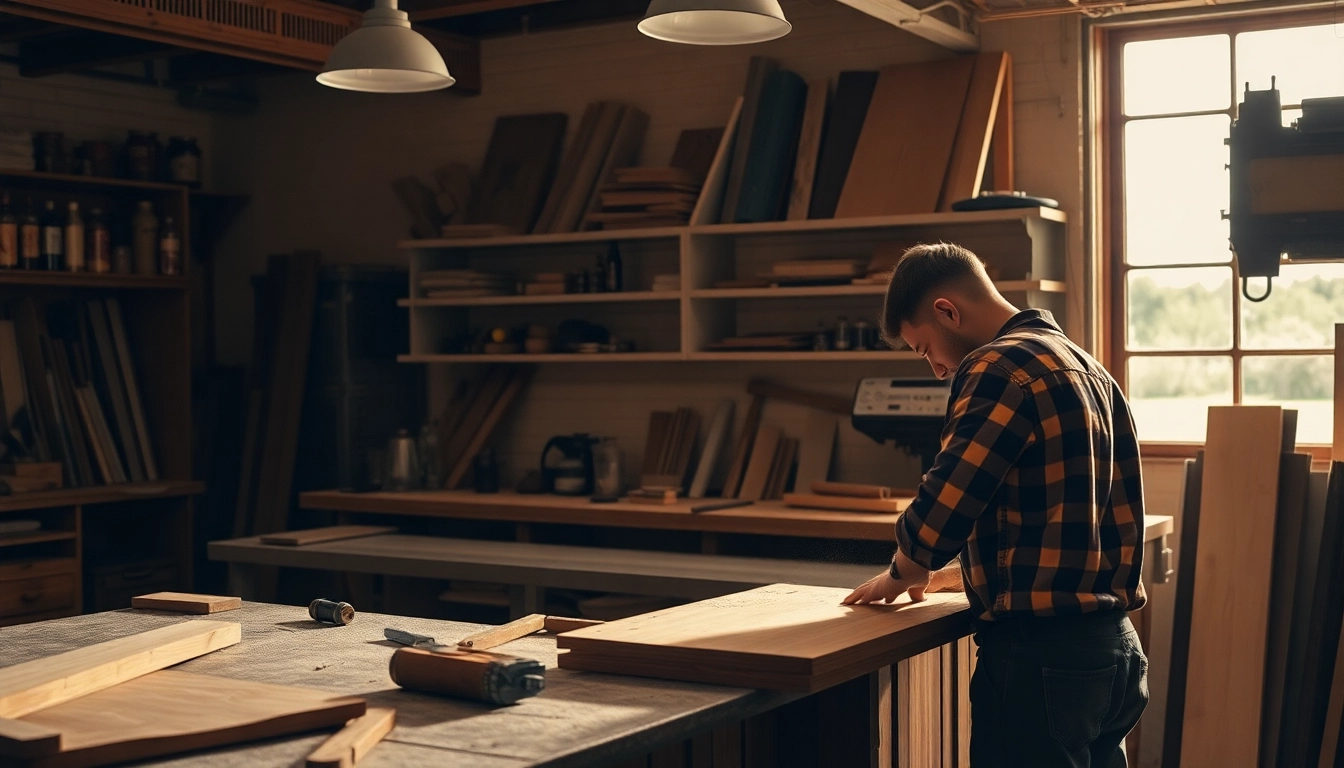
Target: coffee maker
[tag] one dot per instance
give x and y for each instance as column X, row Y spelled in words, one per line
column 567, row 465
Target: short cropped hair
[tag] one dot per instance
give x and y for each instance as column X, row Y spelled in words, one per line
column 921, row 270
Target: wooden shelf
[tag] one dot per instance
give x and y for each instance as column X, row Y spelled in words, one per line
column 92, row 280
column 785, row 292
column 801, row 356
column 100, row 494
column 72, row 180
column 954, row 218
column 564, row 298
column 511, row 241
column 35, row 537
column 553, row 357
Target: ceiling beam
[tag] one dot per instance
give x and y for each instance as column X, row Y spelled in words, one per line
column 85, row 50
column 535, row 17
column 920, row 22
column 424, row 10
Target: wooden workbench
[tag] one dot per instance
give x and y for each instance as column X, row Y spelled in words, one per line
column 580, row 719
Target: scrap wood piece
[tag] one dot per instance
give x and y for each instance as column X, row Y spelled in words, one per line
column 733, row 482
column 557, row 624
column 504, row 633
column 35, row 685
column 350, row 744
column 329, row 533
column 186, row 602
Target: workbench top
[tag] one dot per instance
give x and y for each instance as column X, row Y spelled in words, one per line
column 580, row 719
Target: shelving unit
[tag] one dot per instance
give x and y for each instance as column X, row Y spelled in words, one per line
column 1024, row 247
column 139, row 528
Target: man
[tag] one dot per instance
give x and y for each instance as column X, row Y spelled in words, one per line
column 1037, row 490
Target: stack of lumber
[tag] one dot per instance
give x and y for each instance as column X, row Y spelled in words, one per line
column 71, row 396
column 646, row 197
column 815, row 271
column 1257, row 675
column 473, row 414
column 800, row 152
column 464, row 283
column 668, row 448
column 609, row 136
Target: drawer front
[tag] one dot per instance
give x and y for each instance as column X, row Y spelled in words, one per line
column 47, row 593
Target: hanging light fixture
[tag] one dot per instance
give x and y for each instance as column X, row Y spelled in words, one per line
column 385, row 56
column 715, row 22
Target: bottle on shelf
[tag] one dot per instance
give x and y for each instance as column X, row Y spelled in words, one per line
column 100, row 243
column 74, row 240
column 145, row 239
column 30, row 239
column 9, row 236
column 184, row 161
column 53, row 238
column 614, row 279
column 170, row 249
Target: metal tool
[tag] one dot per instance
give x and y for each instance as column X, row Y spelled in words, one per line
column 331, row 612
column 433, row 667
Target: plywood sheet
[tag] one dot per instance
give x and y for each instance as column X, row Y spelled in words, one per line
column 169, row 711
column 781, row 637
column 1233, row 574
column 907, row 135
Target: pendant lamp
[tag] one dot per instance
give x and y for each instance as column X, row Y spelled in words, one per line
column 714, row 22
column 385, row 56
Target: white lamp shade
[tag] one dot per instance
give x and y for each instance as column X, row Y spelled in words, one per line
column 715, row 22
column 385, row 56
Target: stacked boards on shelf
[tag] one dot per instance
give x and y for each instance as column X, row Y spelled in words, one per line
column 646, row 197
column 473, row 414
column 71, row 393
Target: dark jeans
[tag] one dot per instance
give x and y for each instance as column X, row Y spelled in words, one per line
column 1059, row 691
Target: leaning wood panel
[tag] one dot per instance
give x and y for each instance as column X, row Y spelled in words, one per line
column 41, row 683
column 1233, row 574
column 1294, row 479
column 1337, row 454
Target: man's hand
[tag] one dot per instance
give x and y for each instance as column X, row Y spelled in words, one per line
column 884, row 589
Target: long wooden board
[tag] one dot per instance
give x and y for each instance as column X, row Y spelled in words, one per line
column 1233, row 574
column 809, row 146
column 330, row 533
column 1185, row 598
column 1294, row 479
column 1323, row 626
column 970, row 152
column 780, row 637
column 1293, row 729
column 170, row 711
column 758, row 468
column 34, row 685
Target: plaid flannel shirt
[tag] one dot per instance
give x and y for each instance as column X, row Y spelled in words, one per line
column 1037, row 487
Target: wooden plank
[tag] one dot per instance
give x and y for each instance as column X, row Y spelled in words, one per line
column 710, row 201
column 1182, row 609
column 22, row 740
column 557, row 624
column 660, row 423
column 504, row 633
column 353, row 742
column 784, row 467
column 681, row 463
column 569, row 168
column 780, row 637
column 709, row 457
column 35, row 685
column 186, row 602
column 1293, row 729
column 493, row 382
column 501, row 406
column 762, row 458
column 758, row 70
column 1323, row 629
column 844, row 124
column 970, row 151
column 266, row 320
column 695, row 151
column 519, row 166
column 1294, row 479
column 169, row 711
column 1001, row 146
column 809, row 146
column 127, row 366
column 767, row 180
column 1225, row 678
column 577, row 197
column 624, row 153
column 907, row 134
column 330, row 533
column 846, row 503
column 815, row 450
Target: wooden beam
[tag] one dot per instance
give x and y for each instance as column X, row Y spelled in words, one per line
column 916, row 22
column 85, row 50
column 430, row 9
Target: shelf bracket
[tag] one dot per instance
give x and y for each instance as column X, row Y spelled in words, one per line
column 919, row 21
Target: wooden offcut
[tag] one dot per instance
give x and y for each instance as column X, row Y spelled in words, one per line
column 763, row 450
column 35, row 685
column 780, row 637
column 908, row 135
column 504, row 633
column 709, row 457
column 353, row 742
column 319, row 535
column 1233, row 574
column 186, row 602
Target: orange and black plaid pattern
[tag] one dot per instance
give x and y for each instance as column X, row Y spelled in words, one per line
column 1037, row 487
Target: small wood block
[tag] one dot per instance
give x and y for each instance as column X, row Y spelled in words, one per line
column 319, row 535
column 186, row 602
column 844, row 503
column 504, row 633
column 28, row 740
column 855, row 490
column 350, row 744
column 557, row 624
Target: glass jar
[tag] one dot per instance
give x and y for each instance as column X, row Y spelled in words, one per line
column 184, row 161
column 607, row 469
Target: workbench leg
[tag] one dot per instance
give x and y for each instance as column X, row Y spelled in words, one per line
column 243, row 580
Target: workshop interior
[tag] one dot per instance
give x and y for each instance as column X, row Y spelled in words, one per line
column 507, row 382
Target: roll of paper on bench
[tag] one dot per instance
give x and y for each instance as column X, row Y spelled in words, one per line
column 331, row 612
column 493, row 678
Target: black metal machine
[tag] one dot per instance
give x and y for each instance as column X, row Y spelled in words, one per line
column 909, row 412
column 1287, row 184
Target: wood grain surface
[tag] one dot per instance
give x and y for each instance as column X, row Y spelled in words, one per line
column 353, row 742
column 186, row 602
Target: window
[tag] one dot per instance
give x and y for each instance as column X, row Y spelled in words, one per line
column 1181, row 336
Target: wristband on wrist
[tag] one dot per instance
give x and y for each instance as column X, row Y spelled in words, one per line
column 892, row 570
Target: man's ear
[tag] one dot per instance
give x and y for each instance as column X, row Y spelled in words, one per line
column 947, row 313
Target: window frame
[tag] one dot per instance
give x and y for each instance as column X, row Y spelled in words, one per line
column 1109, row 40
